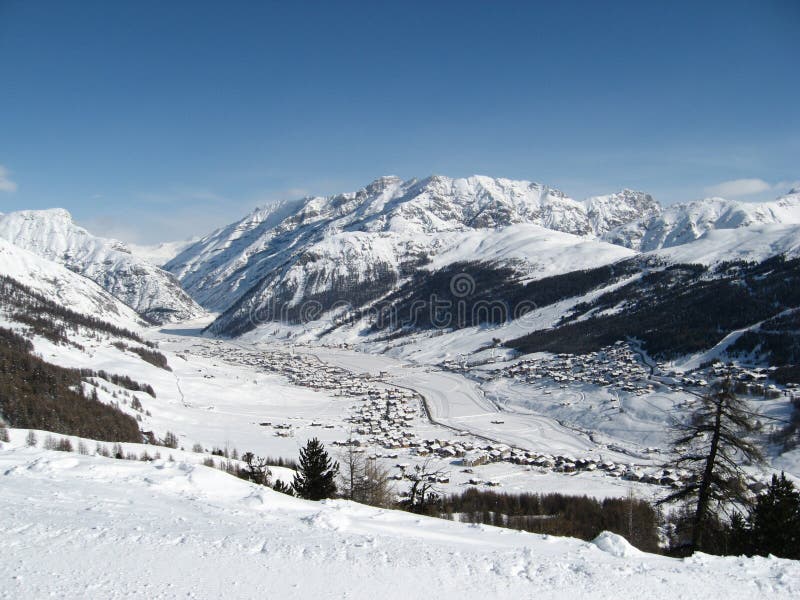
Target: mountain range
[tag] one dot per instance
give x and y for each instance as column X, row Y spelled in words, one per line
column 393, row 241
column 360, row 249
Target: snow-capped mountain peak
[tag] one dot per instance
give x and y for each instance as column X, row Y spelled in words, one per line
column 359, row 245
column 683, row 223
column 52, row 234
column 62, row 286
column 613, row 210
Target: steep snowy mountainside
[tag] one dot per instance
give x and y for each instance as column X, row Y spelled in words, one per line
column 62, row 286
column 377, row 235
column 52, row 234
column 382, row 242
column 215, row 268
column 684, row 223
column 537, row 252
column 613, row 210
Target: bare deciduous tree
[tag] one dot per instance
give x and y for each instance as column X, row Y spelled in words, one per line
column 257, row 469
column 425, row 491
column 365, row 480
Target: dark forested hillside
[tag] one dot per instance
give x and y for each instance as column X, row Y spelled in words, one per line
column 469, row 294
column 37, row 395
column 688, row 308
column 49, row 319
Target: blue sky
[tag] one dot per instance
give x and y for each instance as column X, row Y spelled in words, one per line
column 151, row 121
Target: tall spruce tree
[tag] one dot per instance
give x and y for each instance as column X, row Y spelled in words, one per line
column 316, row 477
column 713, row 447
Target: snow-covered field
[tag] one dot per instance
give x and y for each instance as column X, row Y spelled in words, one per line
column 90, row 527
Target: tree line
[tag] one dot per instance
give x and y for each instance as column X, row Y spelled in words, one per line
column 35, row 394
column 49, row 318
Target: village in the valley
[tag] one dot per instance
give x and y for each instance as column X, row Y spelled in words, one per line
column 385, row 419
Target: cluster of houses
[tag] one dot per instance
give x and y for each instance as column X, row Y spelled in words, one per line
column 385, row 417
column 566, row 464
column 747, row 381
column 469, row 454
column 614, row 366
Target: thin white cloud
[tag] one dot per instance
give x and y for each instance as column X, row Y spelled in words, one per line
column 738, row 187
column 6, row 185
column 785, row 186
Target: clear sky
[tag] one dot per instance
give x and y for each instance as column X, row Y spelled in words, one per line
column 151, row 121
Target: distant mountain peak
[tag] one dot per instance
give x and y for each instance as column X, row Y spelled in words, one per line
column 52, row 234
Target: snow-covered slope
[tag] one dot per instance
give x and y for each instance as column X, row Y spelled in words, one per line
column 52, row 234
column 539, row 252
column 107, row 528
column 160, row 254
column 684, row 223
column 365, row 242
column 62, row 286
column 755, row 243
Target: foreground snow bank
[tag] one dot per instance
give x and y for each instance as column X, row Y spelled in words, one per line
column 85, row 526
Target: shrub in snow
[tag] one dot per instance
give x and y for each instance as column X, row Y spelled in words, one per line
column 170, row 440
column 257, row 469
column 283, row 488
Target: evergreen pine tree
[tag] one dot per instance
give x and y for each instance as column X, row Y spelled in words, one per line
column 316, row 477
column 775, row 520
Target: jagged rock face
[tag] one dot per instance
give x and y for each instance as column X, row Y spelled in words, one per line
column 150, row 291
column 614, row 210
column 374, row 236
column 684, row 223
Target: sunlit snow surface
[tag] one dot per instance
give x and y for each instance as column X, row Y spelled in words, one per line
column 52, row 234
column 89, row 527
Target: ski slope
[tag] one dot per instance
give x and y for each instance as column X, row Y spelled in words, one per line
column 86, row 526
